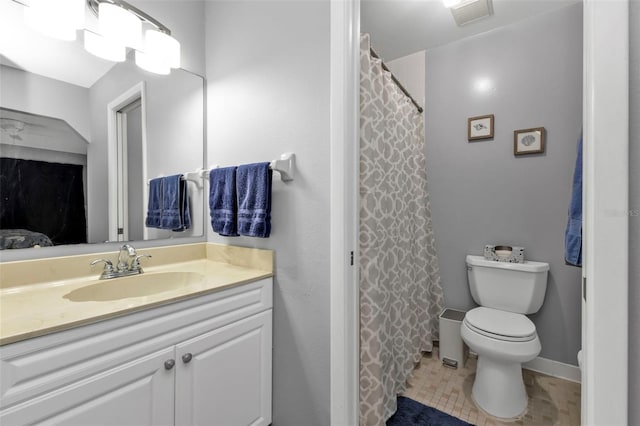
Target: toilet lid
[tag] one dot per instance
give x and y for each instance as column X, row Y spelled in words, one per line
column 500, row 324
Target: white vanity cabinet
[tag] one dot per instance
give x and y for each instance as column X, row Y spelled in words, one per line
column 201, row 361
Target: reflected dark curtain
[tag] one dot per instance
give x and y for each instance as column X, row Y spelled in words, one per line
column 43, row 197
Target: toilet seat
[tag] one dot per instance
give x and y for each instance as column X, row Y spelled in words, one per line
column 500, row 325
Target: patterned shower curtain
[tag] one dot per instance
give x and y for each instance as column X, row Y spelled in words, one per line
column 400, row 292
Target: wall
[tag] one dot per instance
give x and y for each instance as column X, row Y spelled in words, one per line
column 480, row 192
column 268, row 93
column 410, row 71
column 634, row 217
column 33, row 93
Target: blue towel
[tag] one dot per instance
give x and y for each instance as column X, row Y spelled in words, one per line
column 254, row 200
column 573, row 233
column 168, row 204
column 223, row 201
column 175, row 206
column 154, row 209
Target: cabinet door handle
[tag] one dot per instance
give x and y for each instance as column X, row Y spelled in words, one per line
column 186, row 358
column 169, row 364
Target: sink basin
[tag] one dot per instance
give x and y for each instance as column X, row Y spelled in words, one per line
column 134, row 286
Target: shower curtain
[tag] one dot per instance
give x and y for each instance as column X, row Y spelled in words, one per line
column 400, row 292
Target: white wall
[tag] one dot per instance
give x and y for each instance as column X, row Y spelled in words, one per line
column 634, row 215
column 268, row 93
column 480, row 192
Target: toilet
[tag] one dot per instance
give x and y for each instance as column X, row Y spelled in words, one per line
column 499, row 331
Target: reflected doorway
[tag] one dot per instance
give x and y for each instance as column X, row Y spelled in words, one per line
column 130, row 208
column 127, row 165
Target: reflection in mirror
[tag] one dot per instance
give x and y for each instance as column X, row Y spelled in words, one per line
column 80, row 143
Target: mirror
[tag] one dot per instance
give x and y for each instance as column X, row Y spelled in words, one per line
column 80, row 138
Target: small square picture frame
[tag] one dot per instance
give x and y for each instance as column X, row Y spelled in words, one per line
column 528, row 141
column 480, row 127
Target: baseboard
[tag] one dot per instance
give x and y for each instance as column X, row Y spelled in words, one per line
column 555, row 369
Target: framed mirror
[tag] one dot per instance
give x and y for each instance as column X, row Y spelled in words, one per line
column 81, row 138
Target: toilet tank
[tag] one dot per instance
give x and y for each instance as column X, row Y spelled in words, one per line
column 513, row 287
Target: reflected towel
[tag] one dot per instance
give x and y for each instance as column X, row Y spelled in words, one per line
column 573, row 233
column 254, row 200
column 169, row 204
column 223, row 201
column 175, row 204
column 154, row 209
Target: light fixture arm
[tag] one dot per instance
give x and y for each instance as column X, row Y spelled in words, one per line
column 93, row 5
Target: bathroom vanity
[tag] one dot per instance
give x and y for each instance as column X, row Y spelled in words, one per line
column 172, row 357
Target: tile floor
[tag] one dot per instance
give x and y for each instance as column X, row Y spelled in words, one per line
column 552, row 401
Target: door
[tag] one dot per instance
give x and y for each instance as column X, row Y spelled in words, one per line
column 140, row 392
column 223, row 377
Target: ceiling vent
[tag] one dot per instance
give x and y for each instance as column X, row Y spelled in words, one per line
column 471, row 11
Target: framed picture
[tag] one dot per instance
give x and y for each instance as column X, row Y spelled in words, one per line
column 480, row 127
column 528, row 141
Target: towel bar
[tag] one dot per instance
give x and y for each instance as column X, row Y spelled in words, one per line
column 285, row 165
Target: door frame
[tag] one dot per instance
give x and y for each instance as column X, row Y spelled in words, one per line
column 605, row 115
column 605, row 213
column 344, row 181
column 138, row 91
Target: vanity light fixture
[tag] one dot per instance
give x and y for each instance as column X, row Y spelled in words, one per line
column 120, row 25
column 151, row 63
column 104, row 48
column 58, row 19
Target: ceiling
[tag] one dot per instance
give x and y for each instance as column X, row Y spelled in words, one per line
column 402, row 27
column 26, row 49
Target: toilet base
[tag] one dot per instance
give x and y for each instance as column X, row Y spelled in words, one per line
column 498, row 388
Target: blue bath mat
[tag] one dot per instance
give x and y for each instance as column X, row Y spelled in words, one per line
column 412, row 413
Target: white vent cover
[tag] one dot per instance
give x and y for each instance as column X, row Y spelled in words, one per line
column 470, row 11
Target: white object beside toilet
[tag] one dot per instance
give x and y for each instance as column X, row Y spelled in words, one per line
column 500, row 333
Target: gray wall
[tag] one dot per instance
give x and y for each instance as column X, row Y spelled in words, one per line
column 634, row 217
column 268, row 93
column 480, row 192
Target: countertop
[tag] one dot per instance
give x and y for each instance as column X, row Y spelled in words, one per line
column 32, row 293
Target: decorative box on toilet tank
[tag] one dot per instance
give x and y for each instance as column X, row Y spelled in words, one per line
column 453, row 351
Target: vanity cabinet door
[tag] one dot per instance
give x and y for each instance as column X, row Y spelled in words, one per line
column 223, row 377
column 140, row 392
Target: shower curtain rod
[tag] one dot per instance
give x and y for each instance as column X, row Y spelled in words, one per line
column 395, row 80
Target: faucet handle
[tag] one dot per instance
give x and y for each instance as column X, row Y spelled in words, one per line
column 108, row 266
column 108, row 271
column 135, row 264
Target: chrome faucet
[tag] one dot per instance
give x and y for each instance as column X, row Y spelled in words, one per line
column 123, row 261
column 128, row 263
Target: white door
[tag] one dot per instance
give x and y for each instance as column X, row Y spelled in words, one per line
column 140, row 392
column 223, row 377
